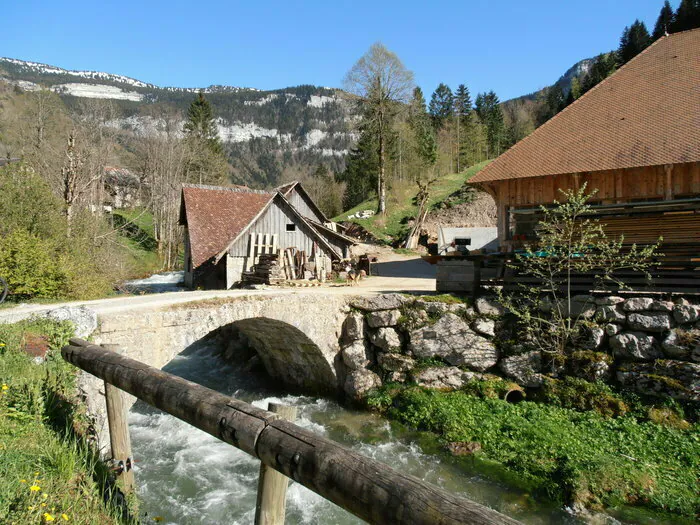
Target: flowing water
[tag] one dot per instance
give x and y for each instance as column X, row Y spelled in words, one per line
column 157, row 283
column 187, row 476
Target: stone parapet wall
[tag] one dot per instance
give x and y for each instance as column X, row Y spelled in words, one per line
column 648, row 345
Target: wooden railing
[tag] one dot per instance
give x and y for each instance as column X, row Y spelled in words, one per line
column 364, row 487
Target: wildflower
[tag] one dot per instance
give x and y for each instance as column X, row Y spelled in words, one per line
column 35, row 488
column 30, row 508
column 43, row 504
column 48, row 517
column 44, row 495
column 22, row 480
column 5, row 387
column 65, row 517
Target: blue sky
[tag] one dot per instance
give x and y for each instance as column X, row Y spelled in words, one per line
column 512, row 47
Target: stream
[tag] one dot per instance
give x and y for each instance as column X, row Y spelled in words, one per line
column 187, row 476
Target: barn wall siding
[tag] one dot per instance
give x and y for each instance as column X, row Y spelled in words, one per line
column 302, row 206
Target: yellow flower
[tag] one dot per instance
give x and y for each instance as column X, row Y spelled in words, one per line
column 35, row 488
column 48, row 517
column 44, row 495
column 43, row 504
column 5, row 387
column 65, row 517
column 22, row 480
column 30, row 508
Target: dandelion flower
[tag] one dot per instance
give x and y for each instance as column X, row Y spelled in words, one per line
column 65, row 517
column 48, row 517
column 30, row 508
column 43, row 504
column 22, row 480
column 5, row 387
column 35, row 488
column 44, row 495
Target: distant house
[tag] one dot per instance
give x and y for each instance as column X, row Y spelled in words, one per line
column 635, row 138
column 226, row 229
column 123, row 188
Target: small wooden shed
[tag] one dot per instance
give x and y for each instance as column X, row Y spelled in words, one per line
column 227, row 229
column 635, row 138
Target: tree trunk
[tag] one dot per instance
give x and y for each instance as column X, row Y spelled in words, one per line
column 381, row 182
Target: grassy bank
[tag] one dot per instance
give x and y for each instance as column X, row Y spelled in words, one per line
column 48, row 471
column 401, row 205
column 565, row 455
column 137, row 237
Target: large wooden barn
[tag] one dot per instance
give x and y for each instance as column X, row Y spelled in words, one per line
column 227, row 229
column 635, row 138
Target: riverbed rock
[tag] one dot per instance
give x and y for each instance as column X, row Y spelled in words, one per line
column 610, row 313
column 357, row 355
column 489, row 306
column 83, row 318
column 649, row 321
column 635, row 345
column 673, row 347
column 387, row 339
column 609, row 300
column 686, row 313
column 524, row 369
column 637, row 304
column 383, row 318
column 390, row 301
column 354, row 327
column 443, row 377
column 677, row 379
column 485, row 327
column 395, row 362
column 451, row 339
column 358, row 383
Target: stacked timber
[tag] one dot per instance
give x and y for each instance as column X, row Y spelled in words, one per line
column 266, row 271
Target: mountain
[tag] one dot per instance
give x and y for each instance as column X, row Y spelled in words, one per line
column 564, row 82
column 264, row 132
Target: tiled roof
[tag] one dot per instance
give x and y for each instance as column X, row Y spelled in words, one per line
column 216, row 215
column 645, row 114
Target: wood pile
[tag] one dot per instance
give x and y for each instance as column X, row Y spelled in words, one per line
column 266, row 271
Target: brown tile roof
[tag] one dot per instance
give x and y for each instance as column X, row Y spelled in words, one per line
column 216, row 215
column 647, row 113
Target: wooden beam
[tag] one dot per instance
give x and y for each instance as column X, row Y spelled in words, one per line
column 668, row 182
column 364, row 487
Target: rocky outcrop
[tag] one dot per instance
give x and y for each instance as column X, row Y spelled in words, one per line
column 635, row 345
column 524, row 369
column 383, row 318
column 376, row 303
column 677, row 379
column 357, row 355
column 386, row 339
column 84, row 320
column 359, row 383
column 443, row 377
column 453, row 340
column 354, row 327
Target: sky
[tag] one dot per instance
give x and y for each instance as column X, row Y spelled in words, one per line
column 511, row 47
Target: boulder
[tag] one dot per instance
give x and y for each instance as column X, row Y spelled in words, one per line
column 357, row 355
column 430, row 307
column 686, row 313
column 489, row 306
column 442, row 377
column 610, row 313
column 650, row 321
column 451, row 339
column 612, row 329
column 637, row 304
column 609, row 300
column 383, row 318
column 354, row 327
column 524, row 369
column 387, row 339
column 591, row 366
column 661, row 306
column 635, row 345
column 673, row 348
column 396, row 377
column 395, row 362
column 485, row 327
column 591, row 337
column 389, row 301
column 358, row 383
column 84, row 319
column 677, row 379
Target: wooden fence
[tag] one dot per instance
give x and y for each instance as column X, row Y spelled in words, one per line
column 364, row 487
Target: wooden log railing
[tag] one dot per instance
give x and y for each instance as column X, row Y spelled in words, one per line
column 364, row 487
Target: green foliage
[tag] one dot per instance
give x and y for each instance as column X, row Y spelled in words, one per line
column 570, row 456
column 603, row 66
column 664, row 21
column 441, row 105
column 583, row 396
column 201, row 124
column 488, row 109
column 568, row 242
column 46, row 465
column 490, row 387
column 687, row 16
column 360, row 175
column 633, row 41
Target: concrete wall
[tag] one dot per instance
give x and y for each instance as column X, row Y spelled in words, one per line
column 482, row 238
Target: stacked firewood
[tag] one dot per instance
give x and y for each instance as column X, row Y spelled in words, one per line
column 266, row 271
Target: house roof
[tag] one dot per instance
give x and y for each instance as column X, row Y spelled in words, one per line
column 645, row 114
column 216, row 215
column 286, row 190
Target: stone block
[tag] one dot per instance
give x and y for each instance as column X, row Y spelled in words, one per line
column 686, row 313
column 524, row 369
column 489, row 306
column 395, row 362
column 83, row 318
column 359, row 383
column 380, row 302
column 650, row 321
column 612, row 329
column 387, row 339
column 443, row 377
column 485, row 327
column 635, row 345
column 610, row 313
column 661, row 306
column 677, row 379
column 673, row 348
column 357, row 355
column 609, row 300
column 383, row 318
column 354, row 327
column 637, row 304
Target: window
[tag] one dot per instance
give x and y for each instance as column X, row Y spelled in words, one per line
column 291, row 227
column 462, row 241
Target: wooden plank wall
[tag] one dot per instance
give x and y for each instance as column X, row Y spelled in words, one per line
column 296, row 200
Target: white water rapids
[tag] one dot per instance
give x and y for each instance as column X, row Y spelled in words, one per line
column 186, row 476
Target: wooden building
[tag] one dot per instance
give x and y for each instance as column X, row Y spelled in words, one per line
column 227, row 229
column 635, row 138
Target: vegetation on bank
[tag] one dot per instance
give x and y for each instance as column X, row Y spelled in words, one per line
column 49, row 473
column 649, row 457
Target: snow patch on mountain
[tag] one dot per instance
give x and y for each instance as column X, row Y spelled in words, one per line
column 262, row 101
column 318, row 101
column 78, row 89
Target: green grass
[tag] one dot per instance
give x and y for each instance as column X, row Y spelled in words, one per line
column 47, row 468
column 567, row 455
column 137, row 236
column 400, row 205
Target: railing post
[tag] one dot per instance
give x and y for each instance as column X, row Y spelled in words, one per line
column 120, row 441
column 272, row 485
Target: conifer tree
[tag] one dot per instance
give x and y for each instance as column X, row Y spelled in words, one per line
column 207, row 163
column 201, row 124
column 488, row 109
column 441, row 105
column 633, row 41
column 463, row 109
column 603, row 66
column 687, row 16
column 664, row 22
column 423, row 135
